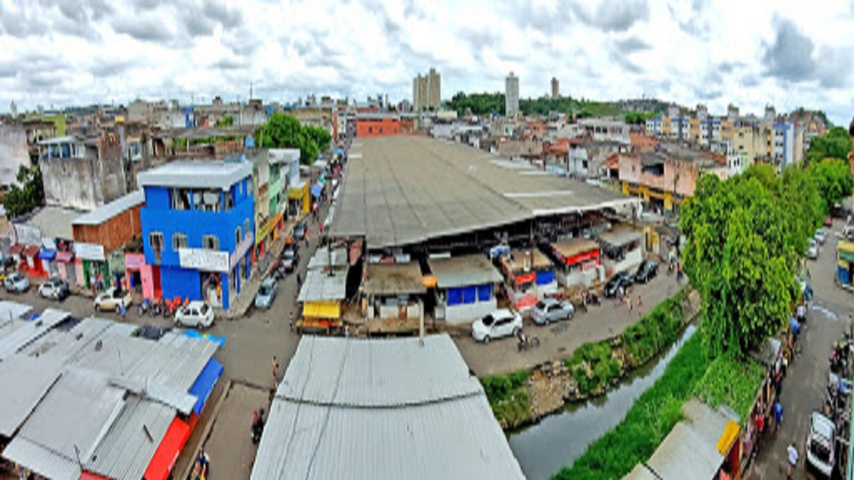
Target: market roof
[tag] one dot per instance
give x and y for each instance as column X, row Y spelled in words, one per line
column 463, row 271
column 110, row 210
column 418, row 401
column 202, row 174
column 690, row 450
column 620, row 236
column 407, row 189
column 321, row 258
column 394, row 279
column 28, row 332
column 55, row 222
column 320, row 286
column 533, row 257
column 11, row 310
column 572, row 247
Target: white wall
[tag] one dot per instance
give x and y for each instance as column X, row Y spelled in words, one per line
column 467, row 313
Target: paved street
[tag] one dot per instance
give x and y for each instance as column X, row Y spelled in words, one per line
column 804, row 389
column 558, row 341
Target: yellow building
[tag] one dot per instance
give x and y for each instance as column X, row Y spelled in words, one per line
column 666, row 126
column 694, row 130
column 727, row 130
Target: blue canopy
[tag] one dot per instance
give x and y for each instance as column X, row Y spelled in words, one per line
column 194, row 334
column 205, row 383
column 316, row 190
column 47, row 254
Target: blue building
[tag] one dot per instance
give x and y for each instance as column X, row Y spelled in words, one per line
column 197, row 229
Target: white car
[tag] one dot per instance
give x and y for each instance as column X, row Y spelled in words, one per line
column 500, row 323
column 550, row 310
column 54, row 288
column 15, row 282
column 820, row 445
column 112, row 299
column 195, row 314
column 812, row 249
column 820, row 236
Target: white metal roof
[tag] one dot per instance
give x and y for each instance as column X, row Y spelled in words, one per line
column 24, row 380
column 321, row 258
column 321, row 286
column 11, row 310
column 464, row 271
column 55, row 222
column 207, row 174
column 381, row 409
column 29, row 332
column 110, row 210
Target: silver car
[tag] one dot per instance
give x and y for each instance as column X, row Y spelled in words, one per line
column 549, row 310
column 15, row 282
column 812, row 249
column 266, row 293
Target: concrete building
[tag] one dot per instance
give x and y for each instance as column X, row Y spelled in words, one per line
column 606, row 130
column 271, row 169
column 511, row 95
column 555, row 88
column 783, row 151
column 83, row 172
column 427, row 92
column 198, row 228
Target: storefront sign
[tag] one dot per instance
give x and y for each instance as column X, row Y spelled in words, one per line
column 28, row 234
column 240, row 251
column 134, row 261
column 267, row 227
column 89, row 251
column 526, row 278
column 202, row 259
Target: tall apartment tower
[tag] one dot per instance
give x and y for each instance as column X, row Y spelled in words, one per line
column 511, row 95
column 427, row 91
column 555, row 88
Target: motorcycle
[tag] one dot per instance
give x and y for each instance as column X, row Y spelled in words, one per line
column 157, row 308
column 143, row 307
column 257, row 427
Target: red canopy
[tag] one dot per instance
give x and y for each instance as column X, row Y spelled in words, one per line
column 92, row 476
column 32, row 251
column 168, row 450
column 16, row 249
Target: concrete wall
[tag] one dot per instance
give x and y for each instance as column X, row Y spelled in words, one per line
column 467, row 313
column 70, row 182
column 13, row 152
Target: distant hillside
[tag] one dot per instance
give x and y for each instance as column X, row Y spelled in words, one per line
column 489, row 103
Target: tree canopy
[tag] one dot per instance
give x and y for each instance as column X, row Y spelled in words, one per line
column 489, row 103
column 27, row 194
column 225, row 121
column 639, row 118
column 285, row 131
column 834, row 144
column 833, row 177
column 744, row 240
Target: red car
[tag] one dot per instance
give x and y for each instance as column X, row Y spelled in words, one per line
column 828, row 221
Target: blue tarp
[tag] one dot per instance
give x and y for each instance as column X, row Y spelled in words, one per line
column 469, row 294
column 204, row 384
column 47, row 254
column 316, row 190
column 195, row 334
column 455, row 296
column 545, row 278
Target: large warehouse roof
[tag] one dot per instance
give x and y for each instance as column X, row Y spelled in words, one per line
column 403, row 190
column 381, row 409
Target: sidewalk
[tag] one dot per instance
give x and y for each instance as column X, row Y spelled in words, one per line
column 246, row 297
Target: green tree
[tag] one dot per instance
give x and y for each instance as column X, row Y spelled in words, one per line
column 225, row 121
column 833, row 177
column 285, row 131
column 320, row 136
column 638, row 118
column 27, row 194
column 744, row 238
column 834, row 144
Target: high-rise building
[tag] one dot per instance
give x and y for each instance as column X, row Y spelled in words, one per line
column 13, row 110
column 427, row 91
column 511, row 95
column 555, row 88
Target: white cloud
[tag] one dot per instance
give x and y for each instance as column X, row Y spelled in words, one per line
column 687, row 51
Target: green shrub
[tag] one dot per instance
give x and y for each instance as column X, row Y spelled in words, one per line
column 731, row 381
column 496, row 387
column 654, row 331
column 514, row 410
column 649, row 420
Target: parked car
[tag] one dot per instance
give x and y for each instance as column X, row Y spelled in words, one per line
column 112, row 299
column 647, row 270
column 15, row 282
column 820, row 236
column 266, row 293
column 290, row 260
column 299, row 231
column 549, row 310
column 620, row 279
column 55, row 289
column 821, row 444
column 812, row 249
column 828, row 221
column 195, row 314
column 500, row 323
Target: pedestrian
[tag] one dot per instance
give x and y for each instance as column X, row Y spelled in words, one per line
column 778, row 415
column 802, row 313
column 347, row 331
column 321, row 228
column 640, row 301
column 299, row 281
column 291, row 320
column 679, row 272
column 123, row 310
column 792, row 454
column 275, row 369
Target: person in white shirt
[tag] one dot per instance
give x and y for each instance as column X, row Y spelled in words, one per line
column 793, row 460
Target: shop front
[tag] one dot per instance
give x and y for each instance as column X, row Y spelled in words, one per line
column 140, row 276
column 90, row 265
column 47, row 256
column 65, row 266
column 33, row 261
column 116, row 264
column 266, row 233
column 298, row 199
column 203, row 275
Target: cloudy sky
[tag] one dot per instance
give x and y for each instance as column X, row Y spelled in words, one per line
column 789, row 53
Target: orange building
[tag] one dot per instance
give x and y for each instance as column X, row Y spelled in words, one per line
column 382, row 126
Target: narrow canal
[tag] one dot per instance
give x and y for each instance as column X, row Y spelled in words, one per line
column 556, row 441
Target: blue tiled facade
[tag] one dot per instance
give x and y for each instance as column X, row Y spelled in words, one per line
column 230, row 225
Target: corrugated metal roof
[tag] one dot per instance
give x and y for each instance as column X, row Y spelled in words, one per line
column 321, row 258
column 381, row 409
column 23, row 381
column 126, row 450
column 30, row 332
column 110, row 210
column 620, row 236
column 394, row 279
column 321, row 286
column 41, row 460
column 202, row 174
column 12, row 310
column 463, row 271
column 72, row 415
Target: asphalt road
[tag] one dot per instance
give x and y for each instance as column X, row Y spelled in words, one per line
column 804, row 389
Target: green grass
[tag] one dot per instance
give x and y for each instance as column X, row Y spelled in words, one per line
column 731, row 381
column 508, row 397
column 650, row 419
column 654, row 331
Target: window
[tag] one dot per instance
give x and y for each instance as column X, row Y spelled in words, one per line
column 155, row 240
column 180, row 198
column 229, row 200
column 179, row 240
column 238, row 236
column 135, row 150
column 210, row 242
column 246, row 226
